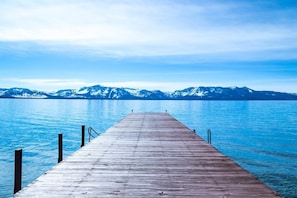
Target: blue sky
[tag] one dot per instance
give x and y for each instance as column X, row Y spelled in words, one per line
column 155, row 44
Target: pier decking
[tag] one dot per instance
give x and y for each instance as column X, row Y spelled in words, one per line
column 147, row 155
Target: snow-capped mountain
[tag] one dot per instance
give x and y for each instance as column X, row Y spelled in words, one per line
column 230, row 93
column 65, row 93
column 219, row 93
column 191, row 93
column 22, row 93
column 99, row 92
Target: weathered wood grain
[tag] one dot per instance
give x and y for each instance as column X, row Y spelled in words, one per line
column 147, row 155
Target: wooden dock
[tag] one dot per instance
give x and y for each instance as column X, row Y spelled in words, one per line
column 147, row 155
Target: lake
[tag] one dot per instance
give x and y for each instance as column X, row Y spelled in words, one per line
column 261, row 136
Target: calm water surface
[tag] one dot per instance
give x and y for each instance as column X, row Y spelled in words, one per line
column 259, row 135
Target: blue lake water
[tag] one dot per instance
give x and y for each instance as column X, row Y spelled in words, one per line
column 259, row 135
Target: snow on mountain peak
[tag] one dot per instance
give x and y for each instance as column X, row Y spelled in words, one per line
column 192, row 93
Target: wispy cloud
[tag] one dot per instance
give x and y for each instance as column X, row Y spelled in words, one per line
column 151, row 28
column 164, row 86
column 57, row 84
column 50, row 84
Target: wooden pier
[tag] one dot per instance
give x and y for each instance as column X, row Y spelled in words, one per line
column 147, row 155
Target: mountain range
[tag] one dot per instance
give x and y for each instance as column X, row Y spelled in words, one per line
column 191, row 93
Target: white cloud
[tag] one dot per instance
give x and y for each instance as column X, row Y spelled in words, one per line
column 163, row 86
column 48, row 84
column 144, row 28
column 58, row 84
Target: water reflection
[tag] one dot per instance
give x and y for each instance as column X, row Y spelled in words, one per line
column 259, row 135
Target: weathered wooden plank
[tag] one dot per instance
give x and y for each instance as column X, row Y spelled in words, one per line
column 147, row 155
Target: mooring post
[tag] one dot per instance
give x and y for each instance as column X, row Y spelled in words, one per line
column 60, row 150
column 17, row 170
column 209, row 136
column 83, row 128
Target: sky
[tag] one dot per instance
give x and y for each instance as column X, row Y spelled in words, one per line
column 167, row 45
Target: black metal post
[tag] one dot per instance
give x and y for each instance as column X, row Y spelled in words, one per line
column 17, row 170
column 83, row 128
column 60, row 150
column 209, row 136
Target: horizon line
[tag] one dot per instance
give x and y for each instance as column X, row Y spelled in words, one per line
column 124, row 87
